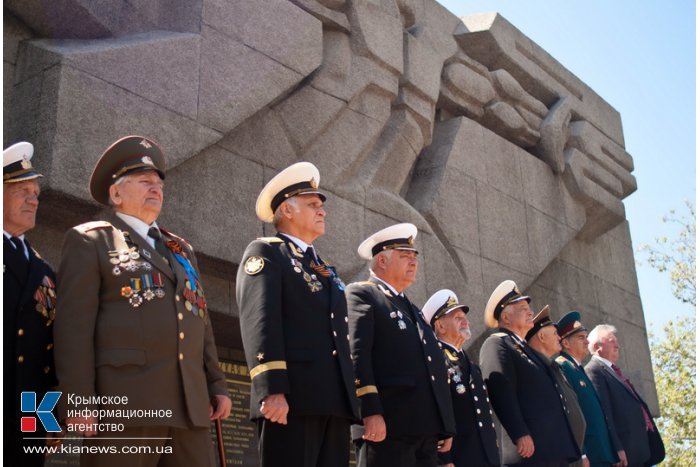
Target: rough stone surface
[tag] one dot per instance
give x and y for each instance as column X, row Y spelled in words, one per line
column 510, row 166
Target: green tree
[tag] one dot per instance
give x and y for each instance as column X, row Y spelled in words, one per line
column 673, row 353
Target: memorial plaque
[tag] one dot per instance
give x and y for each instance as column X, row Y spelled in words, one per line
column 239, row 433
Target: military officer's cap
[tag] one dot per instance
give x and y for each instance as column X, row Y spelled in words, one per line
column 569, row 324
column 541, row 320
column 301, row 178
column 442, row 303
column 17, row 163
column 126, row 156
column 505, row 294
column 395, row 237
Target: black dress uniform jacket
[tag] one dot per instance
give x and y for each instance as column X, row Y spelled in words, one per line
column 295, row 333
column 400, row 369
column 476, row 441
column 160, row 354
column 527, row 401
column 28, row 310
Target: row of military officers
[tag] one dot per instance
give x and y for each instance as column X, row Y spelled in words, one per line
column 328, row 363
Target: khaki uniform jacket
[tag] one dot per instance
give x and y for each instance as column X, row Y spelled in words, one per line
column 160, row 355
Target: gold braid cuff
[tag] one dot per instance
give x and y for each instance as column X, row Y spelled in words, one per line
column 366, row 390
column 275, row 365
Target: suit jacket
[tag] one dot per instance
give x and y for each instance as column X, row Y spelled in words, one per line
column 626, row 420
column 527, row 400
column 160, row 354
column 476, row 441
column 399, row 366
column 597, row 444
column 29, row 297
column 295, row 331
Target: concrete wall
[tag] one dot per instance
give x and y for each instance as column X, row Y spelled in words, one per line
column 510, row 166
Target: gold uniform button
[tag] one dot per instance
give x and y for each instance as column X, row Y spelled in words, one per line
column 20, row 332
column 429, row 358
column 46, row 369
column 179, row 316
column 335, row 352
column 182, row 335
column 432, row 377
column 20, row 359
column 181, row 356
column 49, row 347
column 177, row 298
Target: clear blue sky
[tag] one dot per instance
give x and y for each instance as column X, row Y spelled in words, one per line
column 640, row 57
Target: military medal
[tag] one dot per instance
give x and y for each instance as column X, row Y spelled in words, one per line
column 402, row 324
column 135, row 299
column 131, row 266
column 460, row 389
column 158, row 284
column 116, row 271
column 148, row 292
column 392, row 314
column 126, row 292
column 134, row 254
column 114, row 260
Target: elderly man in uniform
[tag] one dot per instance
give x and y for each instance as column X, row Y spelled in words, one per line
column 524, row 395
column 476, row 441
column 597, row 446
column 295, row 333
column 634, row 433
column 29, row 298
column 132, row 323
column 544, row 340
column 401, row 375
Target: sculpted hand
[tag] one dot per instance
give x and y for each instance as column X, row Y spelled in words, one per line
column 525, row 446
column 275, row 408
column 89, row 423
column 222, row 404
column 445, row 446
column 375, row 428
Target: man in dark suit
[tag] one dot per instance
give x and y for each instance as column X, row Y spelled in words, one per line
column 132, row 327
column 401, row 375
column 295, row 333
column 634, row 433
column 597, row 446
column 544, row 340
column 29, row 298
column 476, row 441
column 529, row 405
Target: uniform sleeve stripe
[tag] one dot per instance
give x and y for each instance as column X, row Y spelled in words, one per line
column 275, row 365
column 366, row 390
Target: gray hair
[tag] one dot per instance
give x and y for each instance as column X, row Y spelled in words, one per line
column 118, row 181
column 375, row 258
column 278, row 216
column 597, row 333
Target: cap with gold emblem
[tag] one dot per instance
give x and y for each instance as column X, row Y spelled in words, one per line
column 570, row 324
column 17, row 163
column 440, row 304
column 395, row 237
column 126, row 156
column 301, row 178
column 540, row 321
column 505, row 294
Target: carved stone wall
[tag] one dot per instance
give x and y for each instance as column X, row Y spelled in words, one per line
column 510, row 166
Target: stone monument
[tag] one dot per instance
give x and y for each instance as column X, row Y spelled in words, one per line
column 510, row 166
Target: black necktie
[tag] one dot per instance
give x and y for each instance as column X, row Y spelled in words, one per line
column 311, row 254
column 19, row 245
column 155, row 234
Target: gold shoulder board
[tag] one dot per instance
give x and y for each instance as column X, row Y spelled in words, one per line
column 270, row 239
column 88, row 226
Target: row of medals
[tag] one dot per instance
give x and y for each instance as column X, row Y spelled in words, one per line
column 194, row 298
column 397, row 314
column 456, row 375
column 45, row 298
column 128, row 260
column 311, row 279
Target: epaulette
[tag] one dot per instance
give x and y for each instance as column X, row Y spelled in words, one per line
column 363, row 283
column 560, row 359
column 270, row 239
column 178, row 238
column 499, row 334
column 88, row 226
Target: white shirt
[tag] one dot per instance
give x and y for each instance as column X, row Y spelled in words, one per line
column 393, row 290
column 21, row 237
column 300, row 243
column 138, row 226
column 607, row 362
